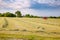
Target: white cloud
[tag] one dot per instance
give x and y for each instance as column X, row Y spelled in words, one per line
column 17, row 4
column 20, row 4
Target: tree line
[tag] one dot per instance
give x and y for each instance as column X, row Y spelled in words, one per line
column 19, row 14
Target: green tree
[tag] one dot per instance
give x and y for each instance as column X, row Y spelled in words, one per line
column 27, row 15
column 50, row 17
column 0, row 14
column 58, row 16
column 8, row 14
column 18, row 14
column 31, row 16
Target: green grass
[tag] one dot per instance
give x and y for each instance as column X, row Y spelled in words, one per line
column 29, row 37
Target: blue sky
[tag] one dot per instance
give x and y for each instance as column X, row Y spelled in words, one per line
column 34, row 7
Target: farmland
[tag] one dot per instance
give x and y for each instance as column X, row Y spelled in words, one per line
column 29, row 28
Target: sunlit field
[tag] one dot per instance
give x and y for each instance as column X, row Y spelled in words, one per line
column 29, row 28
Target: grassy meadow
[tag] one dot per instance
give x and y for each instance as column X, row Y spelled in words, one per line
column 29, row 28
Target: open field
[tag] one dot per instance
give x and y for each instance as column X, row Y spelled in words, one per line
column 29, row 29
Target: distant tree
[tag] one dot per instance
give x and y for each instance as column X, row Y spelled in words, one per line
column 3, row 15
column 18, row 14
column 0, row 14
column 31, row 16
column 8, row 14
column 27, row 15
column 36, row 17
column 54, row 17
column 50, row 17
column 59, row 17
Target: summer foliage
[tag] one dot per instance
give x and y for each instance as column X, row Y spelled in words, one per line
column 19, row 14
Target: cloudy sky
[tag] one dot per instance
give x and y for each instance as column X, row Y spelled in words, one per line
column 34, row 7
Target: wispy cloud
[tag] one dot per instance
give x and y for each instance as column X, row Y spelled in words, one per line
column 18, row 4
column 50, row 2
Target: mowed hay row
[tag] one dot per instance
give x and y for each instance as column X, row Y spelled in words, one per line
column 23, row 22
column 48, row 21
column 18, row 23
column 12, row 24
column 44, row 21
column 1, row 22
column 48, row 27
column 31, row 26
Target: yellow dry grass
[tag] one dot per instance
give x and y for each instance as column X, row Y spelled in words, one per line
column 32, row 26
